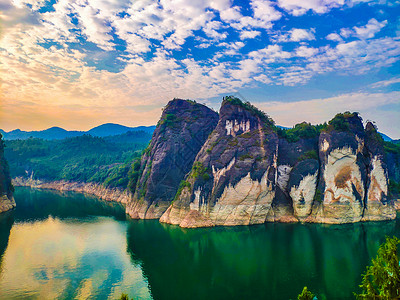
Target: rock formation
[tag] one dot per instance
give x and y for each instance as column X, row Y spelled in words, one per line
column 233, row 178
column 296, row 176
column 181, row 132
column 6, row 188
column 378, row 206
column 244, row 170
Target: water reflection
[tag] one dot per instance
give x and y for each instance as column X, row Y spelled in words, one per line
column 70, row 246
column 6, row 222
column 40, row 204
column 272, row 261
column 61, row 251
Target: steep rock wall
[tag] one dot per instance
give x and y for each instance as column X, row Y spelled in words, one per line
column 291, row 173
column 181, row 132
column 378, row 206
column 233, row 178
column 343, row 179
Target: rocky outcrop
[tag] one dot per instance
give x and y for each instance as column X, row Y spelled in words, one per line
column 232, row 181
column 297, row 170
column 302, row 187
column 98, row 190
column 181, row 132
column 249, row 172
column 378, row 205
column 6, row 188
column 342, row 184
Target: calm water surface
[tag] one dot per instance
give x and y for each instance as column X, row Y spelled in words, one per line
column 70, row 246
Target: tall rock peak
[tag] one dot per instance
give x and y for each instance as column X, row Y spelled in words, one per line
column 233, row 177
column 181, row 132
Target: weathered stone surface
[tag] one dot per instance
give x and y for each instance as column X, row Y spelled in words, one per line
column 245, row 175
column 302, row 187
column 290, row 155
column 378, row 206
column 343, row 173
column 232, row 181
column 6, row 189
column 181, row 132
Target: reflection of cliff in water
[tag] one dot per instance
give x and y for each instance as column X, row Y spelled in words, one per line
column 273, row 261
column 6, row 222
column 40, row 204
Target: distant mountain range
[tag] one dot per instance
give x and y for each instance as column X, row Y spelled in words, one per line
column 108, row 129
column 57, row 133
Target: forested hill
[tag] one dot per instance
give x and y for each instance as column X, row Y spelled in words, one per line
column 84, row 159
column 57, row 133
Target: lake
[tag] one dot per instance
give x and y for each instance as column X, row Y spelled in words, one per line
column 71, row 246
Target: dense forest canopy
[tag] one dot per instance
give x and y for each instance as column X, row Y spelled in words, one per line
column 85, row 158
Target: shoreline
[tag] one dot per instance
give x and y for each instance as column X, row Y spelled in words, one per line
column 91, row 188
column 110, row 194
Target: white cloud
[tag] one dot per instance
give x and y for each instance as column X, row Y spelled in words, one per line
column 297, row 35
column 321, row 110
column 368, row 31
column 304, row 51
column 334, row 37
column 264, row 14
column 270, row 54
column 385, row 83
column 300, row 7
column 345, row 32
column 59, row 76
column 211, row 30
column 249, row 34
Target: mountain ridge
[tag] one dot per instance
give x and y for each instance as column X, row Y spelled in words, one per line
column 58, row 133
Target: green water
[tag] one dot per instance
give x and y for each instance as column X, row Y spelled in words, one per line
column 70, row 246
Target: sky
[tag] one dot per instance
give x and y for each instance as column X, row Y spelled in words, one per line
column 81, row 63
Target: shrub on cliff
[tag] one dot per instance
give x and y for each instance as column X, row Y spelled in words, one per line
column 250, row 107
column 382, row 279
column 340, row 121
column 302, row 130
column 305, row 295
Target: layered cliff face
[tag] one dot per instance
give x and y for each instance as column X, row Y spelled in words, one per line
column 392, row 159
column 353, row 185
column 378, row 205
column 248, row 171
column 6, row 189
column 342, row 185
column 233, row 178
column 181, row 132
column 296, row 175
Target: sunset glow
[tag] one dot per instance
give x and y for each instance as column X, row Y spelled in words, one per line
column 77, row 64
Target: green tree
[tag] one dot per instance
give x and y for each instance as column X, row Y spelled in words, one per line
column 124, row 297
column 305, row 295
column 382, row 279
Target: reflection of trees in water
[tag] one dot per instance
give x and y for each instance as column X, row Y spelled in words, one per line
column 271, row 261
column 40, row 204
column 6, row 222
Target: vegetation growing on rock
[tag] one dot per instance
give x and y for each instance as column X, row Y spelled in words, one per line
column 250, row 107
column 340, row 121
column 305, row 295
column 303, row 130
column 382, row 279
